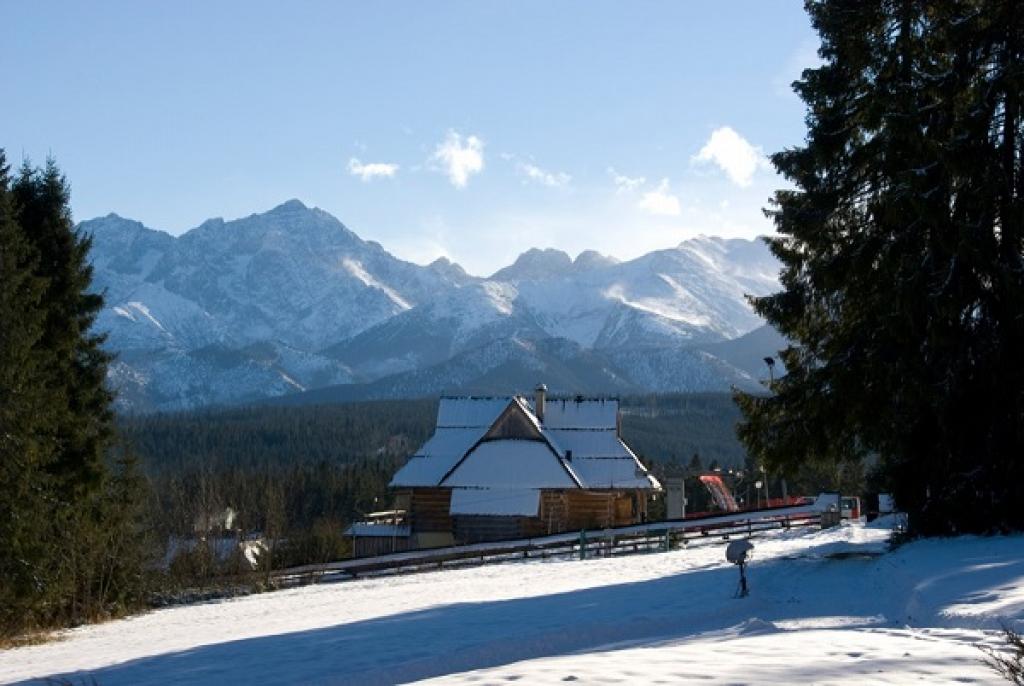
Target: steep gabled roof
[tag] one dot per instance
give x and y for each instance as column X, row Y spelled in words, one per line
column 514, row 452
column 500, row 443
column 460, row 424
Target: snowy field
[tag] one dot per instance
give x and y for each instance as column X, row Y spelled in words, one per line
column 824, row 608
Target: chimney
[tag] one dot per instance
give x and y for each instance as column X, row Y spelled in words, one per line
column 540, row 392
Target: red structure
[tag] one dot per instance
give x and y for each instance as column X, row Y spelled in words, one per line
column 719, row 492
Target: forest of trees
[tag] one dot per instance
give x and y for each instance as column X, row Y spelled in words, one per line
column 902, row 240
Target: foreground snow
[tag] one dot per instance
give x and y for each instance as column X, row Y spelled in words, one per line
column 916, row 614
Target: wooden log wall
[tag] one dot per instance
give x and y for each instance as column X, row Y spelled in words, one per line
column 560, row 511
column 430, row 509
column 575, row 510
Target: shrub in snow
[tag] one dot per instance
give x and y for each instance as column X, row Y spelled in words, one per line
column 1009, row 663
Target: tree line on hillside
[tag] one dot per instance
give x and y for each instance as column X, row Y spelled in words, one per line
column 271, row 435
column 657, row 427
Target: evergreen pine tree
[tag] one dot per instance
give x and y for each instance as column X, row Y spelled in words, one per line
column 26, row 450
column 75, row 361
column 69, row 528
column 903, row 252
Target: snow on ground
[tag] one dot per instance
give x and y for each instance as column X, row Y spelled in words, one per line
column 824, row 608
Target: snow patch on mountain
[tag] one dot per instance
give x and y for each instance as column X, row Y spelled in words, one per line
column 356, row 270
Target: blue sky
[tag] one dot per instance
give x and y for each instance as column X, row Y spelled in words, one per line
column 473, row 130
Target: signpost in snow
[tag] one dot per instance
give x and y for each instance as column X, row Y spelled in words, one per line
column 737, row 553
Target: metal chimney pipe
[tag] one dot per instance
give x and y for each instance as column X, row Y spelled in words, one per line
column 540, row 393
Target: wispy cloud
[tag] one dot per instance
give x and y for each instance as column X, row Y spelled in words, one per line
column 626, row 183
column 660, row 201
column 371, row 170
column 459, row 158
column 542, row 176
column 805, row 56
column 733, row 154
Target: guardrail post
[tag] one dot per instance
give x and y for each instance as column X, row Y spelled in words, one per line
column 583, row 544
column 668, row 540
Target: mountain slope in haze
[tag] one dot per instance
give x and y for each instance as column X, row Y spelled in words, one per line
column 291, row 300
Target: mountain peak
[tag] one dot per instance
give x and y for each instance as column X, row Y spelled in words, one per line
column 535, row 263
column 591, row 259
column 451, row 271
column 112, row 225
column 293, row 205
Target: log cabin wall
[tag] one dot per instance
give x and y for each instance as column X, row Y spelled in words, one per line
column 554, row 512
column 560, row 511
column 597, row 509
column 430, row 510
column 574, row 510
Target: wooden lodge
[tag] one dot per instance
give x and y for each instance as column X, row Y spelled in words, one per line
column 512, row 467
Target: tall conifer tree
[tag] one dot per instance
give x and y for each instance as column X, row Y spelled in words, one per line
column 67, row 524
column 903, row 252
column 26, row 452
column 75, row 361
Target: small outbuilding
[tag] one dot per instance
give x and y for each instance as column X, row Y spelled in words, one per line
column 511, row 467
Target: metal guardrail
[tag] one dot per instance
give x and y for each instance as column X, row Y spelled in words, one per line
column 632, row 539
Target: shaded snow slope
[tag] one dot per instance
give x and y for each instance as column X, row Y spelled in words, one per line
column 914, row 614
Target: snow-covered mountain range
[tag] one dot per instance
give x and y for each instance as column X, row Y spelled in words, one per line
column 287, row 301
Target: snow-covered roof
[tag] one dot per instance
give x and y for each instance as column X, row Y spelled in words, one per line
column 523, row 502
column 600, row 459
column 589, row 413
column 461, row 422
column 611, row 473
column 579, row 447
column 510, row 463
column 470, row 412
column 437, row 456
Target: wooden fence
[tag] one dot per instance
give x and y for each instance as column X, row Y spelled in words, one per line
column 627, row 540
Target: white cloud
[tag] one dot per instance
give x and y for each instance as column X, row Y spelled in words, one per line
column 543, row 177
column 459, row 158
column 733, row 154
column 626, row 183
column 660, row 201
column 371, row 170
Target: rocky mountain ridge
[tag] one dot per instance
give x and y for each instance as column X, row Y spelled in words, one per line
column 291, row 300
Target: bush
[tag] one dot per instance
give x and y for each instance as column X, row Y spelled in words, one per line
column 1009, row 662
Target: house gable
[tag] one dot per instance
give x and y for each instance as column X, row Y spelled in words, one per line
column 514, row 423
column 515, row 452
